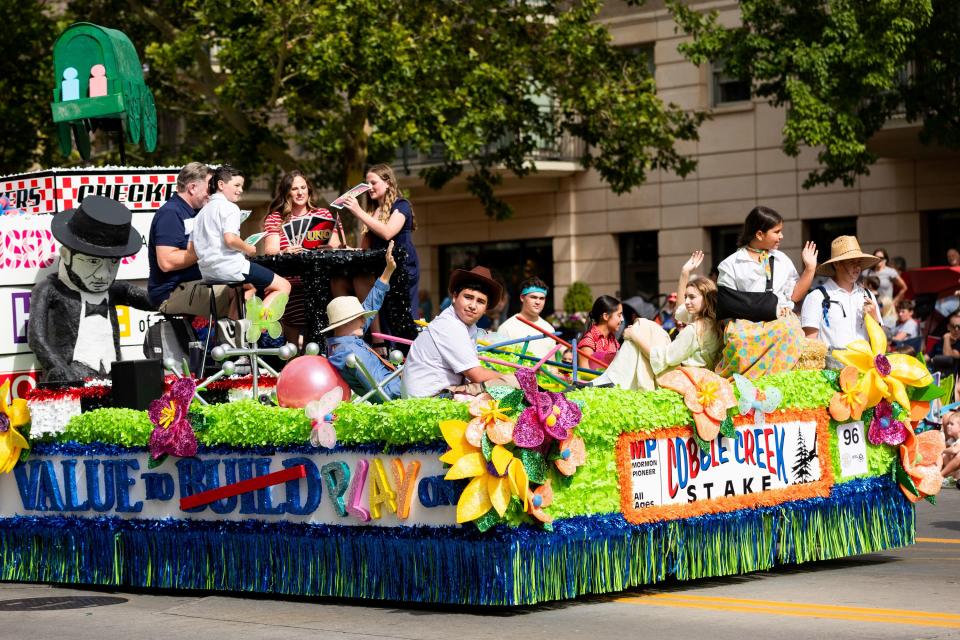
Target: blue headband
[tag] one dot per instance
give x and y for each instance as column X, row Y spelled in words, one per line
column 533, row 289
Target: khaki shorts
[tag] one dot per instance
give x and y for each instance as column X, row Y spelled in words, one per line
column 193, row 298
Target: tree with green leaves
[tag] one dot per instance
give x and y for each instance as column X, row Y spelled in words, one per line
column 26, row 84
column 332, row 87
column 842, row 69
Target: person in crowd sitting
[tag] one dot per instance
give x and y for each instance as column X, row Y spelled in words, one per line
column 444, row 357
column 771, row 341
column 533, row 295
column 948, row 361
column 951, row 455
column 906, row 327
column 953, row 257
column 294, row 199
column 220, row 249
column 349, row 320
column 647, row 351
column 600, row 341
column 834, row 312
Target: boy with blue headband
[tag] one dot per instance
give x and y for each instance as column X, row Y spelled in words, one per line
column 533, row 295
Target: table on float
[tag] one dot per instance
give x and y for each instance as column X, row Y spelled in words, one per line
column 317, row 268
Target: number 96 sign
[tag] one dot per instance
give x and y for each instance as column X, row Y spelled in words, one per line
column 852, row 449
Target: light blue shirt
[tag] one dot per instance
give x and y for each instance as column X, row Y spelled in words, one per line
column 338, row 348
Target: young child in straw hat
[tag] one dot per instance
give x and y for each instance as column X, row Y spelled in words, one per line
column 349, row 320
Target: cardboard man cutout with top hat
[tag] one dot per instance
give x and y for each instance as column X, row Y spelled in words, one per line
column 73, row 327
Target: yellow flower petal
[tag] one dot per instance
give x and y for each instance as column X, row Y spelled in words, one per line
column 474, row 501
column 857, row 355
column 897, row 391
column 873, row 386
column 909, row 370
column 19, row 413
column 469, row 466
column 878, row 339
column 18, row 440
column 499, row 490
column 519, row 481
column 500, row 458
column 454, row 432
column 4, row 392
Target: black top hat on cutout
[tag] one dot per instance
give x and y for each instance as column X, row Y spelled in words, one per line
column 98, row 227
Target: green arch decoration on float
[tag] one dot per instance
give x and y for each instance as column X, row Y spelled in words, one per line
column 98, row 79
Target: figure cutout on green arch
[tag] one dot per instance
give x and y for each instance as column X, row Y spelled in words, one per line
column 98, row 84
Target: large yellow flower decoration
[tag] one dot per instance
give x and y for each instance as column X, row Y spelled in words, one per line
column 12, row 416
column 884, row 375
column 494, row 482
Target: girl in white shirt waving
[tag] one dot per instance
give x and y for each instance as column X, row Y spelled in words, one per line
column 754, row 349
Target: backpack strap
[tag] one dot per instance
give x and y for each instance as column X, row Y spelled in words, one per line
column 826, row 305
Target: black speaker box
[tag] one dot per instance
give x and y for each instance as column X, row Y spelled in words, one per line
column 136, row 383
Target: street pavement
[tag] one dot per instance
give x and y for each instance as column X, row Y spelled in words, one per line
column 906, row 593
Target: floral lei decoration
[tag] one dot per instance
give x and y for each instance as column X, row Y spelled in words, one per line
column 507, row 460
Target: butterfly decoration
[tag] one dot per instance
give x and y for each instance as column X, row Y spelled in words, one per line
column 758, row 401
column 265, row 317
column 319, row 411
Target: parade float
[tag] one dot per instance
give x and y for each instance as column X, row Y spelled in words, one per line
column 287, row 486
column 519, row 497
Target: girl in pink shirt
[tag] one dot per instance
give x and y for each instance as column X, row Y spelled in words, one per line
column 601, row 340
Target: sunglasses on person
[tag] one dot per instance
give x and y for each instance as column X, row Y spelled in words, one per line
column 954, row 326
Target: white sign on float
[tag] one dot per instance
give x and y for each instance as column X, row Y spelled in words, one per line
column 339, row 487
column 852, row 449
column 675, row 471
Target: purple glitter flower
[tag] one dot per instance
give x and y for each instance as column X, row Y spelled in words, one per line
column 4, row 423
column 882, row 365
column 172, row 433
column 548, row 414
column 883, row 428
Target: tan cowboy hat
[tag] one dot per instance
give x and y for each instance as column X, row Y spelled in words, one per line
column 479, row 275
column 846, row 248
column 343, row 309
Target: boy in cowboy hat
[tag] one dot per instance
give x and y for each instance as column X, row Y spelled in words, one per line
column 73, row 327
column 833, row 312
column 444, row 355
column 348, row 321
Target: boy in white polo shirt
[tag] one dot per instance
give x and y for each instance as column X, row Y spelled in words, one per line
column 834, row 312
column 444, row 355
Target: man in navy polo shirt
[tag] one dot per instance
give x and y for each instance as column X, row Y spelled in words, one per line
column 174, row 282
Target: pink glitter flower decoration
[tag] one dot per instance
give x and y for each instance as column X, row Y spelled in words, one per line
column 883, row 428
column 549, row 414
column 172, row 433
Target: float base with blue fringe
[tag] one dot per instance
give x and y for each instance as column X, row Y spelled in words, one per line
column 504, row 566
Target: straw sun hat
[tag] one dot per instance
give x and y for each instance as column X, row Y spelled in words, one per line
column 343, row 309
column 846, row 248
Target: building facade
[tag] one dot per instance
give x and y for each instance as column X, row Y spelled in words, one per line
column 568, row 225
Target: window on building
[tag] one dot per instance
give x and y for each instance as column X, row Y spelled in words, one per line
column 511, row 263
column 723, row 242
column 823, row 231
column 639, row 264
column 646, row 51
column 941, row 232
column 726, row 88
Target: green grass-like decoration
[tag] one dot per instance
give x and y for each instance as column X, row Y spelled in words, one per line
column 397, row 422
column 124, row 427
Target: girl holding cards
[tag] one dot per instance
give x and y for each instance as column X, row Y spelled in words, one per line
column 389, row 216
column 293, row 200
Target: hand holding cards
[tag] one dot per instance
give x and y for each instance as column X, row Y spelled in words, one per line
column 356, row 191
column 310, row 231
